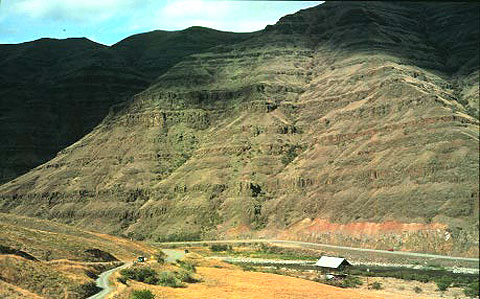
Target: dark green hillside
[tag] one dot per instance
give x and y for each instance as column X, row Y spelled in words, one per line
column 53, row 92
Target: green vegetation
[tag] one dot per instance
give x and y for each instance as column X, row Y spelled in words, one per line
column 472, row 289
column 348, row 282
column 169, row 279
column 246, row 267
column 220, row 247
column 188, row 266
column 262, row 250
column 376, row 285
column 442, row 278
column 142, row 294
column 144, row 274
column 417, row 289
column 186, row 276
column 122, row 279
column 290, row 155
column 88, row 289
column 148, row 275
column 160, row 257
column 272, row 251
column 179, row 237
column 443, row 283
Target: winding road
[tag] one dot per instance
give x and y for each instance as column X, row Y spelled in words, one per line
column 175, row 254
column 103, row 282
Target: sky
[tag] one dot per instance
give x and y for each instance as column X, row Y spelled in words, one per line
column 109, row 21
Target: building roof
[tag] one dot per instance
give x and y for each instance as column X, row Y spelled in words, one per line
column 331, row 262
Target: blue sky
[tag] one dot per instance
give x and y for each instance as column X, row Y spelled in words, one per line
column 109, row 21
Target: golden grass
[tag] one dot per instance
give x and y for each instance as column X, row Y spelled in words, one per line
column 11, row 291
column 221, row 280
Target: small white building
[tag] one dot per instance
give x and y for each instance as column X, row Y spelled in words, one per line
column 333, row 263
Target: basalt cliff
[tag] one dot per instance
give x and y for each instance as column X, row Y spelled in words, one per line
column 351, row 123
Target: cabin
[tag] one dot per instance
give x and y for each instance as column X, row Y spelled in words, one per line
column 333, row 263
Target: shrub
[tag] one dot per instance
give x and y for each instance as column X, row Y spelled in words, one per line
column 246, row 267
column 151, row 279
column 187, row 266
column 376, row 285
column 128, row 273
column 168, row 279
column 443, row 283
column 220, row 247
column 142, row 294
column 186, row 276
column 88, row 289
column 417, row 290
column 349, row 282
column 160, row 257
column 144, row 274
column 147, row 275
column 472, row 290
column 122, row 279
column 290, row 155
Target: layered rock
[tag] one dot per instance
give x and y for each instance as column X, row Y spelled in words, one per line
column 53, row 92
column 337, row 119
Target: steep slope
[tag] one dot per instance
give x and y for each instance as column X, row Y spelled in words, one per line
column 41, row 259
column 53, row 92
column 351, row 123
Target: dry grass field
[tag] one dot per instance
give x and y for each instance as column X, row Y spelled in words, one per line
column 231, row 282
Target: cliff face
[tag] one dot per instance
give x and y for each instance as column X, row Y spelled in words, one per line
column 350, row 123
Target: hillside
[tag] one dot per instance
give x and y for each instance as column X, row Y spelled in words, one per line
column 351, row 123
column 53, row 92
column 42, row 259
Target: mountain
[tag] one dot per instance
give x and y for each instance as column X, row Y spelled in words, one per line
column 351, row 123
column 53, row 92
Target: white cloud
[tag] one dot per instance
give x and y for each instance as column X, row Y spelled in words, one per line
column 195, row 8
column 77, row 10
column 221, row 15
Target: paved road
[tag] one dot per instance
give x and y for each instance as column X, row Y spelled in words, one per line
column 103, row 282
column 402, row 253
